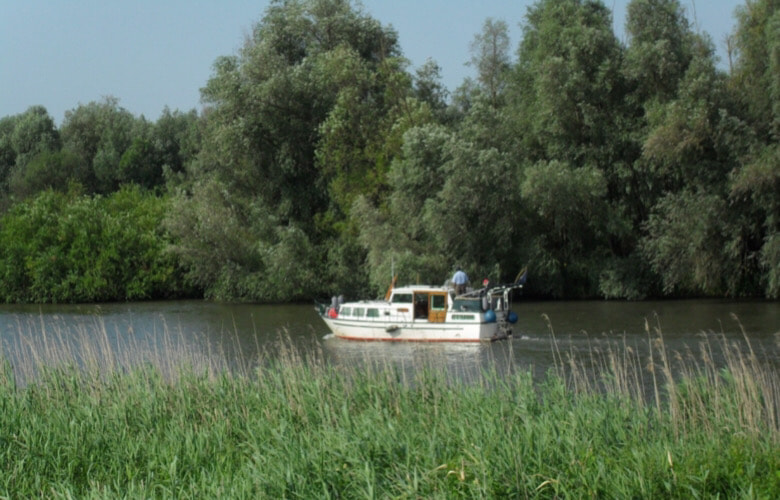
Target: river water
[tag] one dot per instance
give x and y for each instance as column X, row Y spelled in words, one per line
column 216, row 336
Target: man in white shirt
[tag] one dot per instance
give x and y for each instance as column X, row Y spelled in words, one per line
column 459, row 279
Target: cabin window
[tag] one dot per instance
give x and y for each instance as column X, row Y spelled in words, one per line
column 345, row 311
column 372, row 313
column 405, row 298
column 438, row 302
column 467, row 305
column 359, row 312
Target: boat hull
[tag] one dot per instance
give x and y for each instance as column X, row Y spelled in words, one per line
column 417, row 331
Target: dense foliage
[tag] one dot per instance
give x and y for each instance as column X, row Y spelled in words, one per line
column 65, row 247
column 319, row 164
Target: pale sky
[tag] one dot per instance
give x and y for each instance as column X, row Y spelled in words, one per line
column 155, row 53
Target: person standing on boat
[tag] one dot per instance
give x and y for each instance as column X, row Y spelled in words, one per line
column 459, row 279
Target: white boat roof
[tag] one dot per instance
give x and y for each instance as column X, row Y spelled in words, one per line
column 407, row 289
column 421, row 288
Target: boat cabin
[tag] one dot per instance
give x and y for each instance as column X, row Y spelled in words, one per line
column 430, row 304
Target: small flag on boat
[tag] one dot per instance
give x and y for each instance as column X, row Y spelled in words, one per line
column 521, row 276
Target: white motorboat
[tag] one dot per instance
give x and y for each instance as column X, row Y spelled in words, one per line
column 422, row 313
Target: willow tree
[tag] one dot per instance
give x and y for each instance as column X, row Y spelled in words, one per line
column 567, row 82
column 755, row 83
column 756, row 74
column 452, row 197
column 676, row 93
column 396, row 234
column 100, row 133
column 703, row 145
column 661, row 46
column 25, row 140
column 566, row 94
column 33, row 132
column 285, row 118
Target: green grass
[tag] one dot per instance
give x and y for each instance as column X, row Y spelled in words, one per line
column 298, row 427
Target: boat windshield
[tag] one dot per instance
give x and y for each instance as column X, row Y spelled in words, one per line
column 405, row 298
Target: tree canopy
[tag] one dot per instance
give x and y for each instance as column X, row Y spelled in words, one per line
column 320, row 163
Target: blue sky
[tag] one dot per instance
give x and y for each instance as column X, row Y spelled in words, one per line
column 155, row 53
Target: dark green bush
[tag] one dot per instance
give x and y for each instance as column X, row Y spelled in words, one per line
column 66, row 247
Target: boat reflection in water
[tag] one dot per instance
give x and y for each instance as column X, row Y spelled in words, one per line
column 460, row 361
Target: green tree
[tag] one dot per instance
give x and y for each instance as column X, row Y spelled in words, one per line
column 681, row 138
column 7, row 152
column 291, row 123
column 362, row 131
column 68, row 247
column 660, row 48
column 703, row 145
column 490, row 57
column 141, row 164
column 23, row 138
column 428, row 88
column 687, row 234
column 47, row 170
column 755, row 85
column 176, row 137
column 396, row 235
column 359, row 139
column 474, row 216
column 486, row 120
column 452, row 202
column 756, row 75
column 569, row 209
column 34, row 132
column 567, row 85
column 213, row 240
column 566, row 106
column 267, row 106
column 100, row 133
column 682, row 145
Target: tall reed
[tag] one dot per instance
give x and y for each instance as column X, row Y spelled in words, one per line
column 692, row 391
column 178, row 423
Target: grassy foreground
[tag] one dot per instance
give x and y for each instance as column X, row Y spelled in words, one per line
column 301, row 428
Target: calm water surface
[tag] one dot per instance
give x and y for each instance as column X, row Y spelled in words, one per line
column 238, row 336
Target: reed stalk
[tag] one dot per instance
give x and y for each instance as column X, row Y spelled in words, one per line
column 152, row 419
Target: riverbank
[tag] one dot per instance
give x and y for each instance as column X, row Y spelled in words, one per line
column 296, row 426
